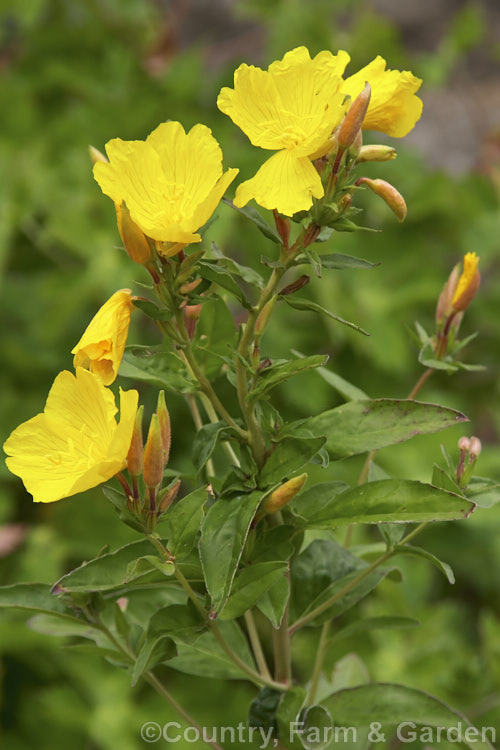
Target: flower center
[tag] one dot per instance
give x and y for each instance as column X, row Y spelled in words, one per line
column 292, row 137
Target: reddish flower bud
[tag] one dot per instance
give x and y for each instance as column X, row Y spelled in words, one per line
column 388, row 193
column 284, row 494
column 164, row 420
column 283, row 227
column 475, row 447
column 167, row 498
column 354, row 118
column 133, row 238
column 444, row 308
column 153, row 455
column 135, row 458
column 301, row 282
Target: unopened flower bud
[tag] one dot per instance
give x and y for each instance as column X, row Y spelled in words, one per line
column 356, row 146
column 135, row 457
column 190, row 286
column 165, row 428
column 153, row 455
column 301, row 282
column 96, row 155
column 354, row 118
column 344, row 204
column 132, row 236
column 283, row 227
column 468, row 284
column 167, row 498
column 264, row 315
column 191, row 316
column 475, row 447
column 311, row 234
column 443, row 308
column 284, row 494
column 464, row 444
column 376, row 153
column 388, row 193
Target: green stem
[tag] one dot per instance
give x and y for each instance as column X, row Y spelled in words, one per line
column 318, row 664
column 306, row 619
column 198, row 423
column 282, row 649
column 252, row 674
column 212, row 415
column 253, row 634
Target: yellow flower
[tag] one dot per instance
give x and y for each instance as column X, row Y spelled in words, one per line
column 467, row 285
column 171, row 182
column 100, row 349
column 394, row 109
column 75, row 443
column 291, row 108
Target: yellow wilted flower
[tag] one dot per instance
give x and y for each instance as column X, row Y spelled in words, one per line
column 293, row 108
column 75, row 443
column 101, row 347
column 171, row 182
column 467, row 285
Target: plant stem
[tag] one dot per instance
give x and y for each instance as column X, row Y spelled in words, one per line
column 252, row 674
column 198, row 423
column 353, row 583
column 282, row 648
column 420, row 382
column 211, row 414
column 162, row 690
column 253, row 634
column 318, row 664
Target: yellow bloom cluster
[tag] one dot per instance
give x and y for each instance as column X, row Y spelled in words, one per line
column 293, row 108
column 76, row 443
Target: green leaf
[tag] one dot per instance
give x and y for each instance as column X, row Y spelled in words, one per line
column 483, row 492
column 152, row 652
column 290, row 454
column 159, row 368
column 288, row 714
column 119, row 503
column 205, row 441
column 316, row 504
column 263, row 709
column 151, row 310
column 443, row 480
column 391, row 533
column 305, row 304
column 147, row 564
column 205, row 657
column 36, row 597
column 215, row 335
column 249, row 275
column 249, row 586
column 182, row 523
column 273, row 603
column 107, row 572
column 66, row 627
column 390, row 704
column 272, row 376
column 339, row 261
column 316, row 729
column 214, row 273
column 223, row 536
column 408, row 549
column 261, row 224
column 362, row 426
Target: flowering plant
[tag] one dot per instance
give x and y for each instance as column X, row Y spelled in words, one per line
column 237, row 563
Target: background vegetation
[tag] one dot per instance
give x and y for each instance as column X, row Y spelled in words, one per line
column 86, row 71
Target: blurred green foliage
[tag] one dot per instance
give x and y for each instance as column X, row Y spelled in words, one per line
column 86, row 71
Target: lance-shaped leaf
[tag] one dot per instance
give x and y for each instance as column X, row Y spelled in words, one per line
column 183, row 521
column 339, row 261
column 261, row 224
column 299, row 303
column 326, row 506
column 35, row 597
column 223, row 535
column 289, row 455
column 282, row 371
column 362, row 426
column 215, row 335
column 159, row 368
column 250, row 585
column 396, row 706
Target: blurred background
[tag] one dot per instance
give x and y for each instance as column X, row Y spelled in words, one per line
column 81, row 72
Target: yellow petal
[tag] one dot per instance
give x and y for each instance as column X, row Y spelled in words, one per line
column 394, row 109
column 101, row 347
column 294, row 105
column 205, row 210
column 75, row 444
column 284, row 182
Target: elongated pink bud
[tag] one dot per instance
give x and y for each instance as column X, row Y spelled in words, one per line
column 153, row 455
column 165, row 427
column 354, row 118
column 388, row 193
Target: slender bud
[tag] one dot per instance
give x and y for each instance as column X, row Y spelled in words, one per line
column 356, row 146
column 190, row 286
column 464, row 444
column 475, row 447
column 133, row 238
column 284, row 494
column 376, row 153
column 191, row 316
column 283, row 227
column 96, row 155
column 354, row 118
column 444, row 308
column 468, row 284
column 388, row 193
column 165, row 428
column 167, row 498
column 153, row 455
column 301, row 282
column 135, row 457
column 344, row 204
column 264, row 316
column 311, row 234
